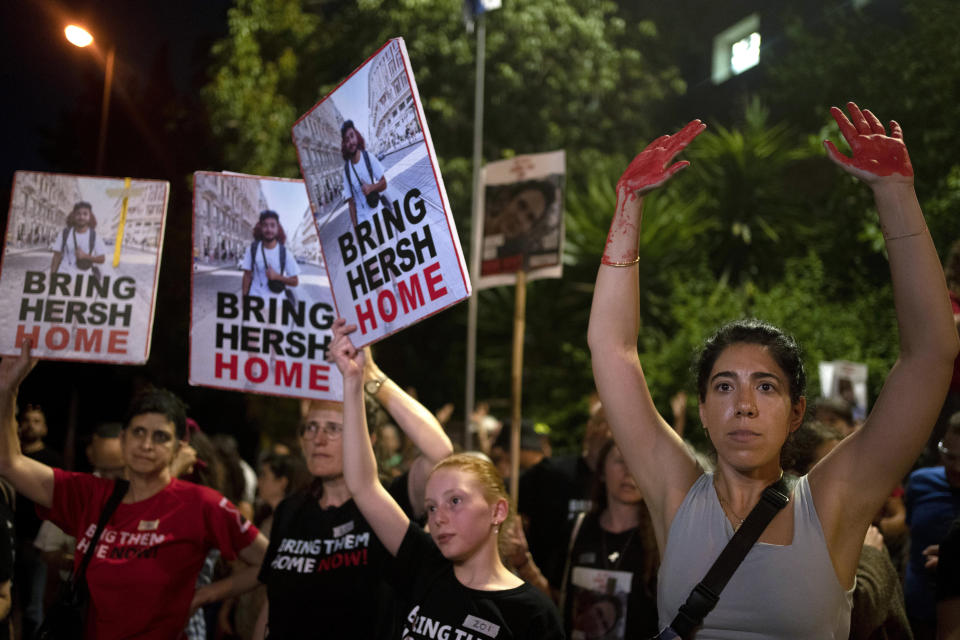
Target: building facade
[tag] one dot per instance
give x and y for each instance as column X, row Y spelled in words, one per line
column 41, row 204
column 393, row 118
column 304, row 241
column 226, row 209
column 318, row 144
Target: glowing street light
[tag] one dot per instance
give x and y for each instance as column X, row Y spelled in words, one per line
column 78, row 36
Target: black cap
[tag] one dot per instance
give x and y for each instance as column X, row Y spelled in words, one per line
column 269, row 213
column 347, row 124
column 529, row 438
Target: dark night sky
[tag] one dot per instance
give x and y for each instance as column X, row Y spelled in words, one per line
column 51, row 108
column 47, row 79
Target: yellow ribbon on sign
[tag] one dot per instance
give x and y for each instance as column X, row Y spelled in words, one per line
column 117, row 245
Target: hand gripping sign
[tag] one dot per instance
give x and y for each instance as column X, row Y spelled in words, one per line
column 387, row 235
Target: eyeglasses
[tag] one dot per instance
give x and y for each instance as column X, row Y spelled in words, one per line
column 158, row 437
column 949, row 455
column 332, row 430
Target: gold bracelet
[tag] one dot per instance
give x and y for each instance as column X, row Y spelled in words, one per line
column 611, row 263
column 905, row 235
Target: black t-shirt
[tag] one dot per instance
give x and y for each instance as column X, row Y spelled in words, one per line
column 606, row 594
column 948, row 564
column 27, row 520
column 438, row 606
column 552, row 493
column 323, row 571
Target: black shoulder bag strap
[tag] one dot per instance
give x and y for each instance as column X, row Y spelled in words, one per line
column 119, row 489
column 346, row 170
column 574, row 534
column 366, row 159
column 705, row 595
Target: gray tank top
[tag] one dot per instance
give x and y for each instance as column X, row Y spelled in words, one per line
column 777, row 593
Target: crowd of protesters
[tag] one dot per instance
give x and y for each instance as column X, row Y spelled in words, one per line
column 372, row 526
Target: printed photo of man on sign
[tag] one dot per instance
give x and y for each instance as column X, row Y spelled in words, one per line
column 387, row 236
column 262, row 313
column 522, row 218
column 80, row 266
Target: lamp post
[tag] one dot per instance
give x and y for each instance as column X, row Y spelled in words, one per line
column 80, row 37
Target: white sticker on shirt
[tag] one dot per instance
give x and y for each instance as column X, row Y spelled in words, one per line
column 148, row 525
column 343, row 529
column 483, row 626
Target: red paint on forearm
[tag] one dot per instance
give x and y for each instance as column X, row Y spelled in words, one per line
column 646, row 172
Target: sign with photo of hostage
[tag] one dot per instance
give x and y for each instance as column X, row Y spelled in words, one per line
column 80, row 265
column 387, row 236
column 261, row 310
column 522, row 204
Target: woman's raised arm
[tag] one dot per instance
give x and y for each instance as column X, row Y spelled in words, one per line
column 359, row 463
column 853, row 481
column 30, row 477
column 655, row 454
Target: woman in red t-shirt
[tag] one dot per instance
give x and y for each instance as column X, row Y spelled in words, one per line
column 142, row 573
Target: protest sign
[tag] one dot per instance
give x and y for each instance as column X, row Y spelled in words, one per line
column 847, row 381
column 522, row 205
column 261, row 313
column 80, row 265
column 386, row 232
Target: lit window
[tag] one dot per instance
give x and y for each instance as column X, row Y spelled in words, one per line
column 736, row 49
column 745, row 53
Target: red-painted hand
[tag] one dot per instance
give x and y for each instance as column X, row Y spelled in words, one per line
column 875, row 154
column 649, row 169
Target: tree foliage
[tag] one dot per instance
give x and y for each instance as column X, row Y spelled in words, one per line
column 761, row 225
column 901, row 61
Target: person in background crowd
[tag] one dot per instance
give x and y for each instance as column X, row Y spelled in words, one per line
column 280, row 477
column 878, row 611
column 30, row 572
column 320, row 541
column 948, row 585
column 951, row 404
column 835, row 412
column 239, row 488
column 751, row 387
column 609, row 578
column 555, row 491
column 457, row 581
column 532, row 450
column 933, row 502
column 142, row 585
column 7, row 550
column 105, row 455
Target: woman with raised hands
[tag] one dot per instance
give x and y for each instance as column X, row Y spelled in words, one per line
column 750, row 381
column 324, row 562
column 454, row 585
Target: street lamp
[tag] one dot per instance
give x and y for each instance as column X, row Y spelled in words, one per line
column 80, row 37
